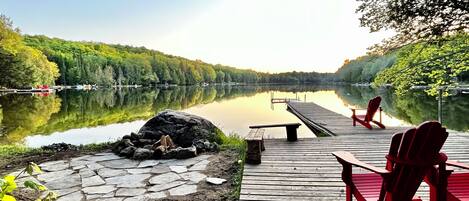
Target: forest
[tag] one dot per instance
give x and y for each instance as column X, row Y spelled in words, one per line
column 34, row 60
column 443, row 62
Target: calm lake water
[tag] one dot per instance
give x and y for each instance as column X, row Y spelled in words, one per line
column 82, row 117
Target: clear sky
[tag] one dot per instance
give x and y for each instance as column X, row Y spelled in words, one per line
column 264, row 35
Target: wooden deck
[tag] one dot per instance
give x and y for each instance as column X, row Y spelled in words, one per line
column 325, row 122
column 306, row 170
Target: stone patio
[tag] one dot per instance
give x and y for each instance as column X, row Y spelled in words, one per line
column 106, row 176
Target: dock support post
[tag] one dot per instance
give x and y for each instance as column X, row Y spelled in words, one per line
column 291, row 133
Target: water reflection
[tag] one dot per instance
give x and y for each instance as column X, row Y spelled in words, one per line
column 106, row 114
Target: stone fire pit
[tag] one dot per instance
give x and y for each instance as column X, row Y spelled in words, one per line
column 170, row 134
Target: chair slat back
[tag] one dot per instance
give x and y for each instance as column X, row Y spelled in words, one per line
column 373, row 106
column 411, row 156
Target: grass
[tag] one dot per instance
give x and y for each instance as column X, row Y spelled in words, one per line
column 238, row 145
column 17, row 150
column 7, row 151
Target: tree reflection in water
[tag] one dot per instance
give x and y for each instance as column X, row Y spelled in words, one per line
column 26, row 115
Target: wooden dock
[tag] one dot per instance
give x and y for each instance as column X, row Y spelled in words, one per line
column 306, row 170
column 324, row 122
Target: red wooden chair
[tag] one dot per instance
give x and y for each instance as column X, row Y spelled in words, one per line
column 454, row 185
column 411, row 155
column 373, row 107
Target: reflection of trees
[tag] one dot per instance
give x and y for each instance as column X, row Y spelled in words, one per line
column 413, row 108
column 24, row 114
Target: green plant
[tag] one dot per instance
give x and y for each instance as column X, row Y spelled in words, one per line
column 8, row 184
column 237, row 144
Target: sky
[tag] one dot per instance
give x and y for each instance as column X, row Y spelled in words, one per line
column 263, row 35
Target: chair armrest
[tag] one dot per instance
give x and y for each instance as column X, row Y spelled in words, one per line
column 346, row 158
column 457, row 164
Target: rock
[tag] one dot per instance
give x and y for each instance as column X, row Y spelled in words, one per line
column 78, row 167
column 160, row 169
column 67, row 191
column 182, row 127
column 92, row 181
column 170, row 154
column 120, row 164
column 206, row 146
column 93, row 196
column 86, row 172
column 139, row 170
column 60, row 147
column 55, row 165
column 99, row 158
column 134, row 136
column 195, row 177
column 142, row 153
column 148, row 163
column 215, row 181
column 148, row 196
column 127, row 192
column 49, row 176
column 72, row 197
column 183, row 190
column 64, row 182
column 109, row 199
column 94, row 166
column 99, row 189
column 178, row 169
column 149, row 146
column 128, row 151
column 127, row 136
column 189, row 152
column 133, row 180
column 108, row 172
column 164, row 178
column 162, row 187
column 200, row 166
column 128, row 143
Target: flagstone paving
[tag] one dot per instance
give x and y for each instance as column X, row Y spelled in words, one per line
column 106, row 176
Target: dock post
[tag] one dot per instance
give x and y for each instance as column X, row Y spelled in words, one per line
column 291, row 133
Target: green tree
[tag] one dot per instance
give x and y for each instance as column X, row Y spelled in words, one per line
column 414, row 20
column 22, row 66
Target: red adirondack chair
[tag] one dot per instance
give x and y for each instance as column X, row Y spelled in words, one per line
column 411, row 155
column 373, row 107
column 454, row 185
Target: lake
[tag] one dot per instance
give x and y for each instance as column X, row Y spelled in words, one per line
column 83, row 117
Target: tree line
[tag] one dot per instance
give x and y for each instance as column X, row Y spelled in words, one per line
column 33, row 60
